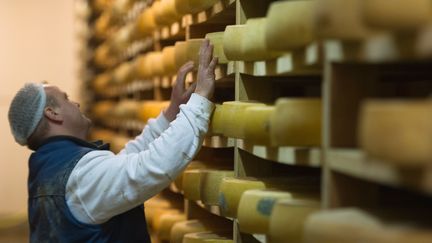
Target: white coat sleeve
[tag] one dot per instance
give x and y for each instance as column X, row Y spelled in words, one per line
column 103, row 184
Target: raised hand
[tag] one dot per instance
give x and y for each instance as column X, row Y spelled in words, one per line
column 180, row 95
column 206, row 71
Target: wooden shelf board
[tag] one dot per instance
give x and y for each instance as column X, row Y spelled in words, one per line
column 356, row 163
column 214, row 209
column 285, row 155
column 218, row 142
column 307, row 61
column 221, row 12
column 173, row 32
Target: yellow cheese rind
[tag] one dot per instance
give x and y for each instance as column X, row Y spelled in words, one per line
column 290, row 25
column 180, row 53
column 338, row 226
column 255, row 208
column 145, row 23
column 151, row 109
column 168, row 58
column 257, row 127
column 397, row 14
column 341, row 19
column 208, row 237
column 233, row 42
column 192, row 165
column 216, row 39
column 234, row 117
column 192, row 184
column 397, row 131
column 194, row 226
column 296, row 122
column 192, row 50
column 165, row 222
column 141, row 68
column 254, row 47
column 287, row 219
column 210, row 184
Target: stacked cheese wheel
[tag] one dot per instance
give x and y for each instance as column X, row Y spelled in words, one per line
column 211, row 224
column 126, row 109
column 103, row 109
column 187, row 51
column 151, row 109
column 101, row 82
column 203, row 184
column 122, row 74
column 165, row 12
column 208, row 237
column 397, row 131
column 193, row 6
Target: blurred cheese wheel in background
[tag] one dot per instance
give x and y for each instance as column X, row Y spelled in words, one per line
column 165, row 12
column 166, row 222
column 103, row 109
column 155, row 206
column 233, row 42
column 101, row 5
column 216, row 39
column 102, row 56
column 145, row 23
column 168, row 58
column 101, row 134
column 102, row 25
column 210, row 181
column 180, row 53
column 196, row 226
column 340, row 226
column 234, row 117
column 151, row 109
column 141, row 69
column 287, row 219
column 289, row 25
column 182, row 6
column 155, row 59
column 121, row 39
column 123, row 73
column 192, row 184
column 397, row 131
column 341, row 19
column 257, row 127
column 118, row 142
column 217, row 121
column 192, row 165
column 126, row 109
column 156, row 219
column 254, row 47
column 296, row 122
column 397, row 14
column 158, row 14
column 101, row 82
column 255, row 208
column 192, row 50
column 121, row 7
column 208, row 237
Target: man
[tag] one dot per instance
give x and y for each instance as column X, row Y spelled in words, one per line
column 80, row 191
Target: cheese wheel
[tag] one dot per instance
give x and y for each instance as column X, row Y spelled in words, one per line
column 156, row 63
column 257, row 127
column 102, row 25
column 231, row 189
column 169, row 11
column 234, row 117
column 121, row 7
column 101, row 134
column 126, row 109
column 164, row 223
column 287, row 219
column 217, row 120
column 101, row 82
column 193, row 6
column 145, row 23
column 192, row 50
column 233, row 42
column 192, row 165
column 341, row 19
column 340, row 226
column 194, row 226
column 254, row 47
column 168, row 58
column 397, row 14
column 121, row 39
column 103, row 56
column 296, row 122
column 103, row 109
column 208, row 237
column 118, row 142
column 290, row 25
column 158, row 14
column 210, row 184
column 122, row 73
column 192, row 184
column 156, row 220
column 397, row 131
column 180, row 53
column 151, row 109
column 255, row 208
column 140, row 68
column 216, row 39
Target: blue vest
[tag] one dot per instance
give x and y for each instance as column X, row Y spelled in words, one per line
column 49, row 216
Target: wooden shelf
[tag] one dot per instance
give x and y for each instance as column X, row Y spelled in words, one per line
column 382, row 48
column 129, row 88
column 127, row 124
column 307, row 61
column 173, row 32
column 355, row 163
column 218, row 142
column 221, row 12
column 214, row 209
column 286, row 155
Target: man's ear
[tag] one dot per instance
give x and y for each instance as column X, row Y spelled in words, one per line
column 52, row 115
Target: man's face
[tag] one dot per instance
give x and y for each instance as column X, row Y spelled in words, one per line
column 73, row 119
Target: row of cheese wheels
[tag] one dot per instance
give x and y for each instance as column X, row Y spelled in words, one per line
column 397, row 131
column 129, row 109
column 290, row 122
column 157, row 63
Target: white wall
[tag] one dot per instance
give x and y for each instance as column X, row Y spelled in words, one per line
column 36, row 43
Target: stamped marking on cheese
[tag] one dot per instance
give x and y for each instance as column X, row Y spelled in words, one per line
column 265, row 206
column 222, row 202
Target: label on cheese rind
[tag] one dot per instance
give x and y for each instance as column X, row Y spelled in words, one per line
column 296, row 122
column 388, row 131
column 286, row 223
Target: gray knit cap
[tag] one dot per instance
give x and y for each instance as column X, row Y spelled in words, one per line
column 26, row 111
